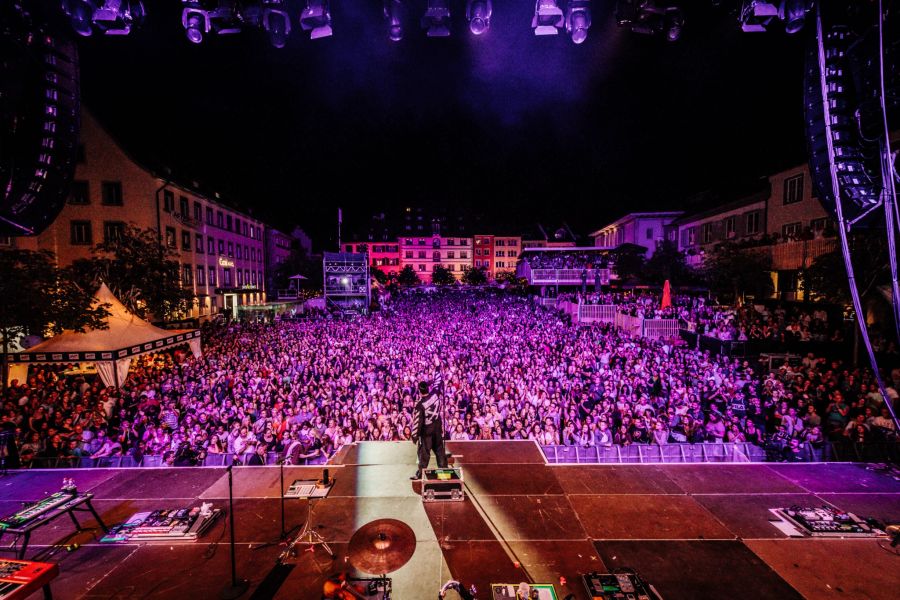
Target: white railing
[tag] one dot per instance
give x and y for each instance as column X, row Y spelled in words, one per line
column 564, row 276
column 660, row 329
column 590, row 313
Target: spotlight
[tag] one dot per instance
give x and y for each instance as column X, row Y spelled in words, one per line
column 548, row 17
column 218, row 16
column 437, row 18
column 395, row 15
column 478, row 14
column 273, row 17
column 793, row 13
column 578, row 19
column 112, row 17
column 650, row 18
column 756, row 15
column 316, row 18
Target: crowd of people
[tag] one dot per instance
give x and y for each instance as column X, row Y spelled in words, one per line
column 780, row 324
column 510, row 369
column 558, row 259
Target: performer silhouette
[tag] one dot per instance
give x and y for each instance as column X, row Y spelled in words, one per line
column 429, row 429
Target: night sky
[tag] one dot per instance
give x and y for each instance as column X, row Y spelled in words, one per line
column 517, row 127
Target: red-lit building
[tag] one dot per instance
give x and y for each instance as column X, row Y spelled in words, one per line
column 384, row 256
column 496, row 253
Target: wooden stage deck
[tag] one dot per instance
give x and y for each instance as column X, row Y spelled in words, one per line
column 692, row 530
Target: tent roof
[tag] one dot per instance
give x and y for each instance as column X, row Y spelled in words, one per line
column 126, row 335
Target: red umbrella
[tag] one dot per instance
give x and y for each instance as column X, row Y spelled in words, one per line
column 667, row 295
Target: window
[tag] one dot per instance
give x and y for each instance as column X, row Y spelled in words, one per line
column 240, row 279
column 246, row 252
column 463, row 242
column 793, row 189
column 753, row 220
column 692, row 236
column 198, row 212
column 231, row 249
column 513, row 242
column 187, row 275
column 464, row 254
column 790, row 229
column 183, row 206
column 238, row 251
column 500, row 243
column 111, row 193
column 421, row 254
column 407, row 254
column 210, row 245
column 819, row 224
column 501, row 264
column 198, row 243
column 237, row 225
column 79, row 193
column 451, row 242
column 450, row 254
column 246, row 229
column 500, row 253
column 730, row 227
column 81, row 233
column 201, row 275
column 170, row 237
column 649, row 233
column 228, row 222
column 422, row 268
column 185, row 240
column 226, row 277
column 5, row 240
column 706, row 233
column 168, row 201
column 511, row 254
column 209, row 215
column 220, row 219
column 113, row 230
column 222, row 247
column 212, row 276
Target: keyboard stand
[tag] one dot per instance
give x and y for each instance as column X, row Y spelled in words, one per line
column 76, row 504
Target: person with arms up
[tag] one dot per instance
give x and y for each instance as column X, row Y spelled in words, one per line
column 429, row 430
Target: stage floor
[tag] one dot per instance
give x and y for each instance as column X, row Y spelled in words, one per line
column 692, row 530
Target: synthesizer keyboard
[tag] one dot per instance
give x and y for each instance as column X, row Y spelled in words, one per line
column 21, row 578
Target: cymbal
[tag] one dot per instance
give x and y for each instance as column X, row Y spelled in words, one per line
column 382, row 546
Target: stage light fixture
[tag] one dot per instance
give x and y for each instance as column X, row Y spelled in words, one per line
column 793, row 13
column 478, row 14
column 578, row 19
column 199, row 18
column 395, row 15
column 272, row 16
column 437, row 18
column 111, row 17
column 650, row 18
column 316, row 18
column 548, row 17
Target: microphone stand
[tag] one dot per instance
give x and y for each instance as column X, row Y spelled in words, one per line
column 237, row 587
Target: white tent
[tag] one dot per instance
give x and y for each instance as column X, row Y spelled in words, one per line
column 110, row 349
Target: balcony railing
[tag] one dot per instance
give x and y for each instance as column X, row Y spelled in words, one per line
column 563, row 276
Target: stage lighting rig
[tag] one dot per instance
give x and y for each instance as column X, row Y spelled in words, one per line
column 578, row 19
column 478, row 14
column 316, row 18
column 758, row 15
column 548, row 17
column 395, row 15
column 650, row 17
column 271, row 16
column 217, row 16
column 111, row 17
column 437, row 18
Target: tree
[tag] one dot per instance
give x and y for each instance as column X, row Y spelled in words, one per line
column 667, row 262
column 508, row 278
column 442, row 275
column 629, row 261
column 379, row 276
column 473, row 276
column 826, row 278
column 40, row 299
column 408, row 277
column 729, row 270
column 141, row 273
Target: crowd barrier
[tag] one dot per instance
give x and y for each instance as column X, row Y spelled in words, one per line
column 155, row 460
column 660, row 329
column 592, row 313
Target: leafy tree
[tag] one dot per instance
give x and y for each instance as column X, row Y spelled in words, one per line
column 408, row 277
column 442, row 275
column 506, row 277
column 139, row 271
column 667, row 262
column 40, row 299
column 729, row 270
column 826, row 278
column 629, row 261
column 473, row 276
column 379, row 276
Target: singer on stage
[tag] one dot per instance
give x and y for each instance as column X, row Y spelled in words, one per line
column 429, row 429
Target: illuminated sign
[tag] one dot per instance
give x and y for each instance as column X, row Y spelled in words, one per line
column 224, row 262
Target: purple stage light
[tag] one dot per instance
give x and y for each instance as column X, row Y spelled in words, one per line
column 478, row 14
column 395, row 15
column 548, row 17
column 316, row 18
column 437, row 18
column 112, row 17
column 199, row 18
column 578, row 19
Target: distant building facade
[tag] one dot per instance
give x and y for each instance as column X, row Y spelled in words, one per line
column 647, row 229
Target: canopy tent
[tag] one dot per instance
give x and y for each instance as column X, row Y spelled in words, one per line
column 110, row 349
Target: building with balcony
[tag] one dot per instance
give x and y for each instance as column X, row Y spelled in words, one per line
column 424, row 253
column 220, row 249
column 741, row 220
column 647, row 229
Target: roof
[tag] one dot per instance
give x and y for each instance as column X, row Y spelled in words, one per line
column 640, row 215
column 722, row 208
column 125, row 335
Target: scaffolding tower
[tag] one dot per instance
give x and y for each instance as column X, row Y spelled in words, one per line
column 346, row 282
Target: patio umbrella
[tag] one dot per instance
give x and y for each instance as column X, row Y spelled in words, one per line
column 667, row 295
